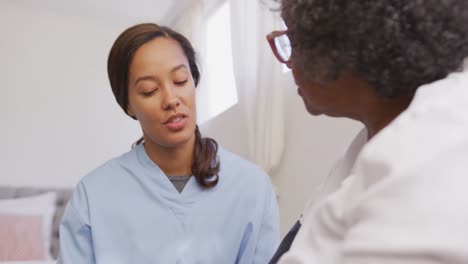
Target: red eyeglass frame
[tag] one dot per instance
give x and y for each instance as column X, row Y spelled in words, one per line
column 271, row 40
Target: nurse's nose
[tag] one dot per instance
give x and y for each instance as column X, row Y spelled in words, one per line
column 171, row 100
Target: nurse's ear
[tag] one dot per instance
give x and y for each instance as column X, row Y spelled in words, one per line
column 130, row 112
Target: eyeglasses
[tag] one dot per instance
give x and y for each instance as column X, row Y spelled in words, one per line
column 280, row 44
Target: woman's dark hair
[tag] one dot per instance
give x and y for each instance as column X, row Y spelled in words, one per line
column 396, row 45
column 206, row 164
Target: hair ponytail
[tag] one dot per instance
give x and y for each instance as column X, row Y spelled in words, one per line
column 206, row 163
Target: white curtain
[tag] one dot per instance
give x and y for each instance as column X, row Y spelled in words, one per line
column 258, row 77
column 257, row 73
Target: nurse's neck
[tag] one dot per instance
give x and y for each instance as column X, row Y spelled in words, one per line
column 173, row 161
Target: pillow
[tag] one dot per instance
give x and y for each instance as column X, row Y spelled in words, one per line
column 34, row 210
column 21, row 238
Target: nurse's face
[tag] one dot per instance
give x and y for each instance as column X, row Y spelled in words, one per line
column 161, row 93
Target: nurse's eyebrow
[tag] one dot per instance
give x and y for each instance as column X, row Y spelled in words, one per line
column 145, row 78
column 178, row 67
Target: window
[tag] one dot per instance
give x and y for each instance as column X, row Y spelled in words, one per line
column 219, row 73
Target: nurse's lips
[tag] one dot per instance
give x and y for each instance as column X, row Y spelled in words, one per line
column 176, row 122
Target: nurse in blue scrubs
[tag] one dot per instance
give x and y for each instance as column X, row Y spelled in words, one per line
column 175, row 197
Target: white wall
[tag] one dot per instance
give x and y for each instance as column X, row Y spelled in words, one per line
column 59, row 117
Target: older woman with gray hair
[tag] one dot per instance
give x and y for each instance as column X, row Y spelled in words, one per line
column 399, row 195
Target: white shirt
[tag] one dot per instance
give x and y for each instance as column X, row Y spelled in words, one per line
column 406, row 199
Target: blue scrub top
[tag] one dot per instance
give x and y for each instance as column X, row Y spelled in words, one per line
column 128, row 211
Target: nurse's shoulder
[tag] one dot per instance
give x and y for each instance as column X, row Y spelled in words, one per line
column 110, row 171
column 100, row 180
column 107, row 178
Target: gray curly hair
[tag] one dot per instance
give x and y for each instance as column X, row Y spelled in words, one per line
column 396, row 45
